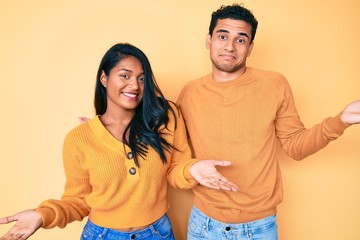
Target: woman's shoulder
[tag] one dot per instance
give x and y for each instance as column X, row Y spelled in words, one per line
column 83, row 129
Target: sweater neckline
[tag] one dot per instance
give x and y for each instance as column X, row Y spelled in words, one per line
column 104, row 135
column 241, row 80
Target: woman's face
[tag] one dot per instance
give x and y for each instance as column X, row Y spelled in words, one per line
column 124, row 85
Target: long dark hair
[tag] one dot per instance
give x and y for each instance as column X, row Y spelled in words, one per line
column 151, row 113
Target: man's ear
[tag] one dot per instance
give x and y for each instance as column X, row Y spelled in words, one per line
column 103, row 79
column 250, row 49
column 208, row 41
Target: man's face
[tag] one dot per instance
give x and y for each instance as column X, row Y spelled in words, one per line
column 230, row 45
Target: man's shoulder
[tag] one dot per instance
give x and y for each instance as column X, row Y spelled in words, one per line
column 197, row 82
column 191, row 87
column 271, row 80
column 266, row 73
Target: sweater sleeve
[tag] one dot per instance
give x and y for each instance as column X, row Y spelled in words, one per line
column 72, row 205
column 181, row 160
column 297, row 141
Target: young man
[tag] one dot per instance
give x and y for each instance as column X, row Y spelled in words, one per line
column 239, row 113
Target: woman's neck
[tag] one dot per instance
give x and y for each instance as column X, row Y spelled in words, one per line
column 116, row 123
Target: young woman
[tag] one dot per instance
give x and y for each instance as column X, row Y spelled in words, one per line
column 117, row 164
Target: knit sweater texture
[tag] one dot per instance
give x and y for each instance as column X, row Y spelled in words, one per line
column 245, row 121
column 103, row 182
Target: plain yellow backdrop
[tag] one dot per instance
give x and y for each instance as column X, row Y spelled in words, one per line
column 50, row 51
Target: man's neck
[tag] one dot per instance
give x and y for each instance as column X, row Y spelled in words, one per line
column 221, row 76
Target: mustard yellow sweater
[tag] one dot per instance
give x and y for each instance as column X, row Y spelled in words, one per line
column 242, row 121
column 103, row 182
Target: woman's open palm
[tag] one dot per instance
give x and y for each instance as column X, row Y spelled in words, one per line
column 27, row 223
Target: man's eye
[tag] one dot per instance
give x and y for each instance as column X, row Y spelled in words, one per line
column 222, row 37
column 240, row 40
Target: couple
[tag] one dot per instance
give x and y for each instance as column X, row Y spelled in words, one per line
column 117, row 164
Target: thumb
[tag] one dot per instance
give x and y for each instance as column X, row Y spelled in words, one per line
column 222, row 163
column 8, row 219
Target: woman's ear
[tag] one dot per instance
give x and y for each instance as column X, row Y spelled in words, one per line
column 103, row 79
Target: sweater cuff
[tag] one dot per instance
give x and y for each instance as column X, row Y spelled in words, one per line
column 335, row 126
column 47, row 215
column 187, row 174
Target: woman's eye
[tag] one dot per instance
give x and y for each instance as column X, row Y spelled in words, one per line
column 141, row 79
column 124, row 76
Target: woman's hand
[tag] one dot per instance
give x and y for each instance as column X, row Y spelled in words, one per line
column 205, row 172
column 27, row 223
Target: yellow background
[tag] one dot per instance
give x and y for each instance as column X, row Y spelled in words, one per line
column 50, row 51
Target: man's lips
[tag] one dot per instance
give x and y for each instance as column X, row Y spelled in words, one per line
column 227, row 56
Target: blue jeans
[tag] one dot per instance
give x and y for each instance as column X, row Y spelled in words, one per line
column 202, row 227
column 159, row 230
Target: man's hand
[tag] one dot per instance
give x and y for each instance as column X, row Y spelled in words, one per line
column 83, row 119
column 351, row 113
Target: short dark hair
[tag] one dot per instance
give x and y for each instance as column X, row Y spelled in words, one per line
column 236, row 12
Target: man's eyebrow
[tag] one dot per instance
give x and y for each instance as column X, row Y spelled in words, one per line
column 227, row 31
column 222, row 30
column 244, row 34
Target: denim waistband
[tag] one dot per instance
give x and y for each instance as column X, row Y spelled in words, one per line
column 145, row 233
column 242, row 227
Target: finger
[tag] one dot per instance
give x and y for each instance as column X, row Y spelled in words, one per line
column 19, row 236
column 6, row 220
column 229, row 187
column 11, row 234
column 220, row 185
column 82, row 119
column 23, row 236
column 225, row 182
column 225, row 186
column 222, row 163
column 213, row 179
column 211, row 185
